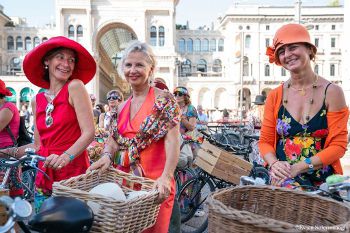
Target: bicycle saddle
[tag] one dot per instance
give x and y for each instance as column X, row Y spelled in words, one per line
column 63, row 215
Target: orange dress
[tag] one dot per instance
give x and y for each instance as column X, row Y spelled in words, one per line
column 152, row 158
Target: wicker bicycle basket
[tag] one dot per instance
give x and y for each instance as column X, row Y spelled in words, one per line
column 114, row 216
column 263, row 209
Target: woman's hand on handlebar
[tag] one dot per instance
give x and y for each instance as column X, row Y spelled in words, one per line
column 279, row 172
column 102, row 164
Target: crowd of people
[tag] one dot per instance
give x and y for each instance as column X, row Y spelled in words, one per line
column 303, row 121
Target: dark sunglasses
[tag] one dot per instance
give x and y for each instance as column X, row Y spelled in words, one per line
column 178, row 94
column 114, row 97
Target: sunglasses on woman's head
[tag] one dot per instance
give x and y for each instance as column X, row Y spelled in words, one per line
column 114, row 97
column 178, row 94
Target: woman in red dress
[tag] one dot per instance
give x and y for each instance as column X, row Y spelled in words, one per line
column 154, row 153
column 63, row 113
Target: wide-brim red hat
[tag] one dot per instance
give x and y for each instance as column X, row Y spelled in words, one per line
column 33, row 66
column 4, row 90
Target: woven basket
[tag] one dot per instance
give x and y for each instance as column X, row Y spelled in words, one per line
column 114, row 216
column 263, row 209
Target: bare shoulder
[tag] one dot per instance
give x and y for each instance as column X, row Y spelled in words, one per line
column 335, row 99
column 76, row 83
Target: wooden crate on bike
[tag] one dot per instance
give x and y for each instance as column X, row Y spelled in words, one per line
column 222, row 164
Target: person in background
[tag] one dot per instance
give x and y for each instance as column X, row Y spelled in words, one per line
column 304, row 131
column 62, row 114
column 114, row 98
column 149, row 150
column 100, row 108
column 95, row 111
column 202, row 123
column 256, row 114
column 9, row 117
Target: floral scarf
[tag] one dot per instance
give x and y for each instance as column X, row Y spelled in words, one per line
column 165, row 115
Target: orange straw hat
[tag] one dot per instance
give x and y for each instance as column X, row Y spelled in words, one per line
column 288, row 34
column 33, row 64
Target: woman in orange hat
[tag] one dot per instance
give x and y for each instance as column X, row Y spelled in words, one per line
column 9, row 120
column 63, row 113
column 304, row 131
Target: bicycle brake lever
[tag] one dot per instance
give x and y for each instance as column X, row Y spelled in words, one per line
column 42, row 172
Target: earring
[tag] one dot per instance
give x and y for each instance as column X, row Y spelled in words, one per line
column 46, row 67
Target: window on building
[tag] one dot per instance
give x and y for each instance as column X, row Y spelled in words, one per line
column 212, row 45
column 267, row 70
column 10, row 43
column 247, row 27
column 332, row 70
column 283, row 72
column 333, row 42
column 221, row 45
column 28, row 43
column 316, row 69
column 217, row 67
column 317, row 41
column 71, row 31
column 182, row 45
column 80, row 31
column 197, row 45
column 189, row 45
column 161, row 36
column 36, row 41
column 186, row 68
column 153, row 36
column 202, row 66
column 44, row 39
column 333, row 27
column 205, row 45
column 267, row 42
column 245, row 66
column 317, row 27
column 248, row 38
column 19, row 43
column 267, row 27
column 15, row 64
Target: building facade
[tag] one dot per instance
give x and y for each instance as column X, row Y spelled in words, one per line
column 220, row 66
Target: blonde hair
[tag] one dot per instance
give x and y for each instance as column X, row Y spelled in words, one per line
column 137, row 46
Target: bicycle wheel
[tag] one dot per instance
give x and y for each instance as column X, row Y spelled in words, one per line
column 221, row 138
column 191, row 199
column 28, row 182
column 181, row 176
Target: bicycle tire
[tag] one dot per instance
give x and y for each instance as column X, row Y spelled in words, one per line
column 181, row 176
column 28, row 182
column 221, row 138
column 190, row 201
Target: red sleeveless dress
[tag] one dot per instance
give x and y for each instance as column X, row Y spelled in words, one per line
column 62, row 134
column 152, row 159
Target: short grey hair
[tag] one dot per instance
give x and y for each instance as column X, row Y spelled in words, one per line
column 137, row 46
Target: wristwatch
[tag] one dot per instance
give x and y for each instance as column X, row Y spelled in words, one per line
column 310, row 165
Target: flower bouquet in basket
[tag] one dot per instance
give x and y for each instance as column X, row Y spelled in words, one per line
column 114, row 215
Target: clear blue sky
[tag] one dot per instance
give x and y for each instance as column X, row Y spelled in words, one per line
column 197, row 12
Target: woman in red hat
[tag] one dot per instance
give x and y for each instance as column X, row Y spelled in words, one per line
column 304, row 131
column 146, row 131
column 9, row 120
column 63, row 116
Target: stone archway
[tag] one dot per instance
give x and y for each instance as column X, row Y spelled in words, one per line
column 110, row 42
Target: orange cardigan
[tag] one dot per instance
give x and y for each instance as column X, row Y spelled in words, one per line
column 336, row 141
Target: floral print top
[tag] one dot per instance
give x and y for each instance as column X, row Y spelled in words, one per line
column 297, row 142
